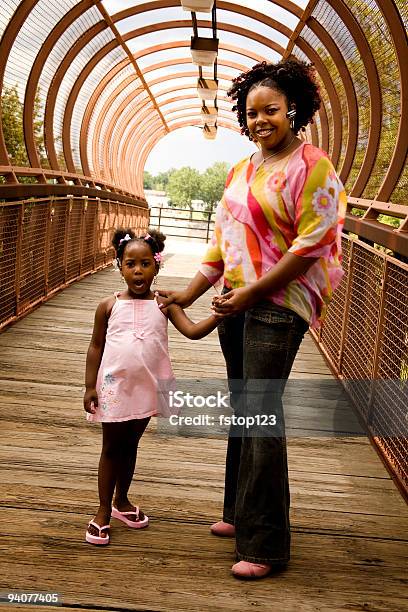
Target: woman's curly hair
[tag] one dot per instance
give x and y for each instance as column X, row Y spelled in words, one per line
column 293, row 78
column 155, row 240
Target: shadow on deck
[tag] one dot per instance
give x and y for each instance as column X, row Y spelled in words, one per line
column 349, row 522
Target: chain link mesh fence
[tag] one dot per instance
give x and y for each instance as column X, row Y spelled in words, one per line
column 48, row 243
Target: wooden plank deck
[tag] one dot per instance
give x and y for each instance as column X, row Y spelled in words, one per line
column 349, row 522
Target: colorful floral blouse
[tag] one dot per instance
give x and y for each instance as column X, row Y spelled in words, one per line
column 295, row 204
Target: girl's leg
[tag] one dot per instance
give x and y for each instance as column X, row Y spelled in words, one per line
column 109, row 464
column 231, row 335
column 127, row 465
column 272, row 339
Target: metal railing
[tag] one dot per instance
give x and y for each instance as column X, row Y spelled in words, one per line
column 47, row 244
column 183, row 222
column 365, row 333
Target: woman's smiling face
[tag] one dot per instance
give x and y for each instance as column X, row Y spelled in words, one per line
column 266, row 119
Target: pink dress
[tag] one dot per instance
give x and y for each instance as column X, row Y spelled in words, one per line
column 135, row 374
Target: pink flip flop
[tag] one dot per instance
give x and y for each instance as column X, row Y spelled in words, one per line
column 98, row 540
column 121, row 516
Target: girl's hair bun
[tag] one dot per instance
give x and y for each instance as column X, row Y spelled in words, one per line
column 157, row 240
column 121, row 237
column 118, row 241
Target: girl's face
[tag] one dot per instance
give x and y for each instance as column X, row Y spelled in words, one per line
column 266, row 119
column 138, row 269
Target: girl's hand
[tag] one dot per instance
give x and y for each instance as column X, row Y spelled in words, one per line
column 233, row 302
column 90, row 401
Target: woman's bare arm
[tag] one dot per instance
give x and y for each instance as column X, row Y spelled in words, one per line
column 197, row 287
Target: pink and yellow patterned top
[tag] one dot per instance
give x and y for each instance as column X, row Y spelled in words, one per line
column 295, row 204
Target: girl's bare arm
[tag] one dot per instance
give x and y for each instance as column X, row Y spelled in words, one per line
column 187, row 327
column 95, row 352
column 198, row 285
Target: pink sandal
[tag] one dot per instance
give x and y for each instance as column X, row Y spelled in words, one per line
column 98, row 540
column 121, row 516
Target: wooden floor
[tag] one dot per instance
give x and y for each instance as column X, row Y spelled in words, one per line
column 349, row 522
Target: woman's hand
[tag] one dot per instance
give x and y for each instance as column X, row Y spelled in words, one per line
column 90, row 401
column 235, row 301
column 182, row 298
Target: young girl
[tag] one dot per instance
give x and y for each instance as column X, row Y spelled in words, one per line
column 127, row 369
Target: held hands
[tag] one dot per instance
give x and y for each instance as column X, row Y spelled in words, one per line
column 172, row 297
column 233, row 302
column 90, row 401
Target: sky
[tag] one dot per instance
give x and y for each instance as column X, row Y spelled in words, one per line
column 187, row 147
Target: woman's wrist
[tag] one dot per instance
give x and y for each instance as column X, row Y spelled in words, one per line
column 256, row 291
column 198, row 286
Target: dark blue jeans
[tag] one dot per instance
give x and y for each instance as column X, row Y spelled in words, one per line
column 259, row 348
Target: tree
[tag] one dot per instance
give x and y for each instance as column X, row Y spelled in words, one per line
column 213, row 183
column 148, row 181
column 158, row 182
column 12, row 123
column 38, row 126
column 13, row 131
column 184, row 185
column 162, row 179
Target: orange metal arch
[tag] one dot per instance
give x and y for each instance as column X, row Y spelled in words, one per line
column 13, row 27
column 390, row 13
column 366, row 55
column 399, row 36
column 120, row 66
column 77, row 47
column 35, row 74
column 331, row 91
column 116, row 117
column 71, row 100
column 352, row 108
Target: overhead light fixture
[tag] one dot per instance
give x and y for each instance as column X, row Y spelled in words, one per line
column 207, row 89
column 198, row 6
column 209, row 116
column 204, row 50
column 210, row 132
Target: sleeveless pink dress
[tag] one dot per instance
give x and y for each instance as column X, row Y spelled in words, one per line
column 135, row 375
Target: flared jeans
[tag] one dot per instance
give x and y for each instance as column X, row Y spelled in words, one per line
column 259, row 348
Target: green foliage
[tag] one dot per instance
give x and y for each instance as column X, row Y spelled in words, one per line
column 188, row 184
column 158, row 182
column 12, row 123
column 148, row 181
column 162, row 179
column 213, row 183
column 38, row 129
column 184, row 185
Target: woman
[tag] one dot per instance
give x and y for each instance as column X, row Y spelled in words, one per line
column 277, row 243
